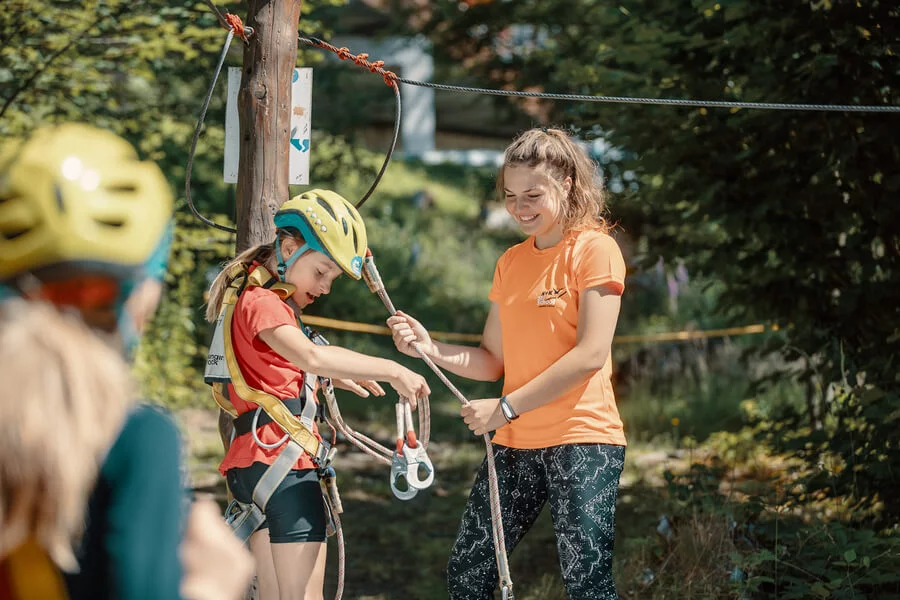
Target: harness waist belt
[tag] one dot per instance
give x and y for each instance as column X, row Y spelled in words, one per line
column 243, row 423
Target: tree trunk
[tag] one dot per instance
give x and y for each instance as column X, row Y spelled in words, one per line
column 264, row 105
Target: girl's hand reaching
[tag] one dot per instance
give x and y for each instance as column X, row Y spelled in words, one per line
column 406, row 331
column 410, row 385
column 361, row 388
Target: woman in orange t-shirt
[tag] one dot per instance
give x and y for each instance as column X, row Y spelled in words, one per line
column 320, row 235
column 554, row 306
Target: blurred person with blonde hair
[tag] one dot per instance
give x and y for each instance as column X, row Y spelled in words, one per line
column 91, row 497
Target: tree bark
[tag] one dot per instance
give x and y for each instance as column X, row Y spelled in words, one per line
column 264, row 105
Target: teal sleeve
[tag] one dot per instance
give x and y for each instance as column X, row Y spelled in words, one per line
column 146, row 509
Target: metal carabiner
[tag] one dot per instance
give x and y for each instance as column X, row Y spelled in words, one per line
column 416, row 457
column 399, row 469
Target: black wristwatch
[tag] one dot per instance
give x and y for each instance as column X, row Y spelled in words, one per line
column 508, row 413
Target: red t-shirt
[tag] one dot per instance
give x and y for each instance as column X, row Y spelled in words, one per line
column 264, row 369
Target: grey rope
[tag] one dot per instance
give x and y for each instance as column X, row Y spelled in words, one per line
column 860, row 108
column 219, row 14
column 190, row 163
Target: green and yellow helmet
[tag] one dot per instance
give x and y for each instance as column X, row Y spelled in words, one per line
column 330, row 224
column 77, row 199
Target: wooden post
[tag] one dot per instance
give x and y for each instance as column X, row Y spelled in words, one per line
column 264, row 106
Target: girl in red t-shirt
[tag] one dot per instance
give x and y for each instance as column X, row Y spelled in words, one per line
column 319, row 236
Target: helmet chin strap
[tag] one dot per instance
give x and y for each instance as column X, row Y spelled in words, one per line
column 284, row 265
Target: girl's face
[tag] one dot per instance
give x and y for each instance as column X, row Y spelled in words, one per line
column 534, row 201
column 312, row 274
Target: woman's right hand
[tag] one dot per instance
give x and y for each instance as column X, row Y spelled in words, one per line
column 406, row 331
column 410, row 385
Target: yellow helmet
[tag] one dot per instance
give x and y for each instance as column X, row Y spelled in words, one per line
column 77, row 197
column 329, row 224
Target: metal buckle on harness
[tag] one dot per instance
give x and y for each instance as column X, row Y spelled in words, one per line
column 244, row 519
column 324, row 455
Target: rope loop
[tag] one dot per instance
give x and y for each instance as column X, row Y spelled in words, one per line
column 237, row 25
column 390, row 78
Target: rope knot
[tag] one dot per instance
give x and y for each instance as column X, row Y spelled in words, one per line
column 238, row 27
column 390, row 78
column 343, row 53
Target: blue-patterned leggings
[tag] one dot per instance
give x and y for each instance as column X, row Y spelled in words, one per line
column 581, row 482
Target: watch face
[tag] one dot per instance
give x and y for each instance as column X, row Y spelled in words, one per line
column 507, row 410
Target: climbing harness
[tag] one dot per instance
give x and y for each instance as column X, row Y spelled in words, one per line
column 295, row 417
column 222, row 367
column 376, row 286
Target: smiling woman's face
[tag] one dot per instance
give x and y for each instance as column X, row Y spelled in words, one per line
column 533, row 200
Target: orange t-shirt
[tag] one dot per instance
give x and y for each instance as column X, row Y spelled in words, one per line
column 258, row 309
column 537, row 293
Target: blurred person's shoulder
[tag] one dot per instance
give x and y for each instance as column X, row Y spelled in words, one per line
column 147, row 428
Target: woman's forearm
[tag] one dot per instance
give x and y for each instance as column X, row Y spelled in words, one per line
column 466, row 361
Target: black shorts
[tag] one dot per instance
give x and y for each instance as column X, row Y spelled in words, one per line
column 295, row 512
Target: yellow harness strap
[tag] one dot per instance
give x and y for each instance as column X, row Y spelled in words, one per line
column 28, row 572
column 273, row 406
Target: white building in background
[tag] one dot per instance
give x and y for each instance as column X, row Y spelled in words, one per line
column 411, row 58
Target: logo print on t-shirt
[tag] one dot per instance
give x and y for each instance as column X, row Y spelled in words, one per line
column 548, row 297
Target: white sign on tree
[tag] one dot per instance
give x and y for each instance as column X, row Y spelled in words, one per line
column 301, row 125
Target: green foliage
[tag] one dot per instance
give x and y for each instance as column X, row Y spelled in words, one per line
column 709, row 544
column 828, row 560
column 141, row 69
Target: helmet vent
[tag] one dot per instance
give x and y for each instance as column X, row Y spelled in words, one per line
column 16, row 233
column 57, row 191
column 122, row 188
column 355, row 239
column 111, row 223
column 344, row 223
column 324, row 205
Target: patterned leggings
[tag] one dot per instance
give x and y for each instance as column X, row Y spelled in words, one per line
column 581, row 481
